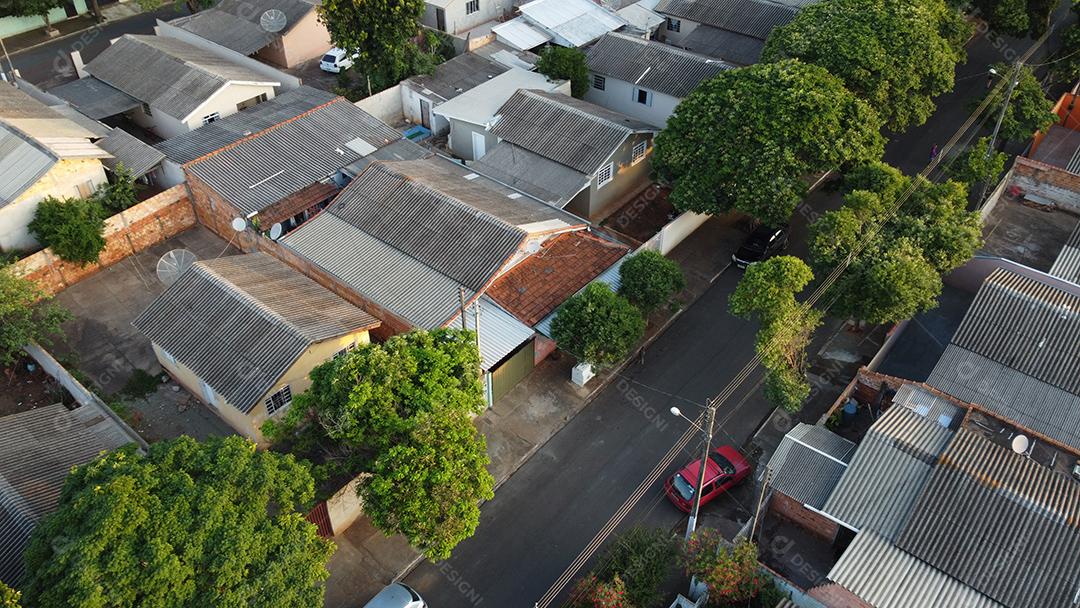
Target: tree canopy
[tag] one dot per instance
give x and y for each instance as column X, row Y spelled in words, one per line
column 1018, row 18
column 898, row 274
column 598, row 326
column 377, row 31
column 650, row 280
column 73, row 228
column 748, row 138
column 975, row 166
column 1029, row 111
column 564, row 63
column 895, row 54
column 29, row 8
column 189, row 524
column 26, row 315
column 401, row 412
column 9, row 598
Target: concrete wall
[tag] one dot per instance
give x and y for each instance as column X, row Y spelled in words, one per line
column 127, row 233
column 598, row 203
column 621, row 96
column 306, row 40
column 346, row 506
column 675, row 232
column 461, row 139
column 458, row 22
column 61, row 181
column 794, row 511
column 676, row 38
column 225, row 101
column 385, row 105
column 1049, row 181
column 9, row 26
column 410, row 107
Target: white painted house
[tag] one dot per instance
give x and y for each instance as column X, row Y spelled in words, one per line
column 458, row 16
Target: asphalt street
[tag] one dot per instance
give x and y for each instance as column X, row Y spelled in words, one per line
column 543, row 516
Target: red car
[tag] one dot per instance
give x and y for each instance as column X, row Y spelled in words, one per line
column 726, row 468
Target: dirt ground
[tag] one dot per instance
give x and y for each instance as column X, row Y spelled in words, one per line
column 23, row 390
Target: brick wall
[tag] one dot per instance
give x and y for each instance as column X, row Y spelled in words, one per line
column 794, row 511
column 1049, row 181
column 127, row 233
column 835, row 596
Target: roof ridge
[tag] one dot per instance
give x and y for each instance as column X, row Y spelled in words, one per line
column 664, row 48
column 534, row 94
column 262, row 132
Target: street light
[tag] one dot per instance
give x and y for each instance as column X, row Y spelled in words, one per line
column 710, row 414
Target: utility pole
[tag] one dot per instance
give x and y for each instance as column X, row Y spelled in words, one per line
column 710, row 415
column 1013, row 77
column 8, row 57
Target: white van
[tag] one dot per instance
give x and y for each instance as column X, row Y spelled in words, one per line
column 336, row 60
column 396, row 595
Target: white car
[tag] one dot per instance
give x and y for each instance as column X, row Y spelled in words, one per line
column 397, row 595
column 336, row 60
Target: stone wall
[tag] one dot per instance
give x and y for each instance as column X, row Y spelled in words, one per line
column 127, row 233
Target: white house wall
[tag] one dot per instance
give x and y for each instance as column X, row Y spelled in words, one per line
column 224, row 102
column 271, row 73
column 457, row 22
column 621, row 96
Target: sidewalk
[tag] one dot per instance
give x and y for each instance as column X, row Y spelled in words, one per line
column 111, row 12
column 521, row 422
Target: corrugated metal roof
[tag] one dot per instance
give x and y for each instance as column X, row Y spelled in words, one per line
column 1001, row 523
column 278, row 161
column 1067, row 265
column 572, row 22
column 1008, row 393
column 1027, row 325
column 928, row 405
column 652, row 65
column 137, row 157
column 20, row 110
column 725, row 45
column 399, row 283
column 235, row 24
column 445, row 228
column 755, row 18
column 168, row 74
column 887, row 472
column 231, row 129
column 22, row 163
column 575, row 133
column 455, row 76
column 544, row 179
column 808, row 463
column 518, row 34
column 500, row 333
column 95, row 98
column 38, row 448
column 884, row 576
column 240, row 322
column 479, row 105
column 641, row 17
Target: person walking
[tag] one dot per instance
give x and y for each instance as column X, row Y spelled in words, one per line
column 933, row 153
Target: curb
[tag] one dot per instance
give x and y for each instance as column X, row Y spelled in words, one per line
column 103, row 23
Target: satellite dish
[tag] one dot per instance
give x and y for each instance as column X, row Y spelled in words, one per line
column 275, row 232
column 1020, row 444
column 273, row 20
column 173, row 264
column 239, row 224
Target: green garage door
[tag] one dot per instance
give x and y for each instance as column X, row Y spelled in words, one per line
column 512, row 370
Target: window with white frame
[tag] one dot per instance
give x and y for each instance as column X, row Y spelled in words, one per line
column 639, row 150
column 348, row 349
column 209, row 118
column 279, row 400
column 472, row 6
column 673, row 25
column 605, row 175
column 599, row 82
column 642, row 96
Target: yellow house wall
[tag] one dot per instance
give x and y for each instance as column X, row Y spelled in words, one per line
column 296, row 377
column 61, row 181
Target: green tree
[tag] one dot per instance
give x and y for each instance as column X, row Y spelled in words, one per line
column 73, row 228
column 895, row 54
column 118, row 195
column 193, row 6
column 1065, row 68
column 974, row 166
column 897, row 274
column 26, row 315
column 731, row 572
column 30, row 8
column 591, row 592
column 643, row 559
column 767, row 293
column 650, row 280
column 1017, row 18
column 563, row 63
column 1029, row 110
column 378, row 31
column 598, row 326
column 400, row 411
column 217, row 523
column 748, row 138
column 9, row 598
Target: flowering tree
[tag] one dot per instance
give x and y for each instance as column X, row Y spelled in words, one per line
column 731, row 573
column 591, row 592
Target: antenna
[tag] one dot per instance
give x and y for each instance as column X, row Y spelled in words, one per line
column 275, row 231
column 1020, row 444
column 173, row 264
column 273, row 20
column 239, row 224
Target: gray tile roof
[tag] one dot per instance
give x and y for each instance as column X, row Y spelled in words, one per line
column 729, row 46
column 1001, row 523
column 168, row 74
column 450, row 229
column 22, row 163
column 575, row 133
column 240, row 322
column 455, row 76
column 137, row 157
column 544, row 179
column 38, row 448
column 276, row 162
column 1067, row 265
column 808, row 462
column 652, row 65
column 884, row 576
column 95, row 98
column 231, row 129
column 235, row 24
column 887, row 472
column 755, row 18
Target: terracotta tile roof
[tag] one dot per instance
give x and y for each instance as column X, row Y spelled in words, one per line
column 297, row 202
column 564, row 265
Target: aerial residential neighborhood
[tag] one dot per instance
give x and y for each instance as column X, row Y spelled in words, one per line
column 540, row 304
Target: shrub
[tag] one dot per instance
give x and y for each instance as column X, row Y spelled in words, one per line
column 598, row 326
column 650, row 280
column 561, row 63
column 591, row 592
column 731, row 572
column 643, row 558
column 26, row 315
column 118, row 195
column 73, row 228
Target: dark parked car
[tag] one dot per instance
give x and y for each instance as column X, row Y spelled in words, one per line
column 726, row 468
column 763, row 243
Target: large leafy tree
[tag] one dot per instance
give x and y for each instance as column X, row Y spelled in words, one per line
column 767, row 293
column 897, row 273
column 1017, row 18
column 978, row 164
column 563, row 63
column 377, row 31
column 748, row 138
column 189, row 524
column 30, row 8
column 650, row 280
column 1029, row 110
column 26, row 315
column 895, row 54
column 400, row 411
column 9, row 598
column 598, row 326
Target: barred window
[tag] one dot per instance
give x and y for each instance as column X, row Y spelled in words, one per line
column 279, row 400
